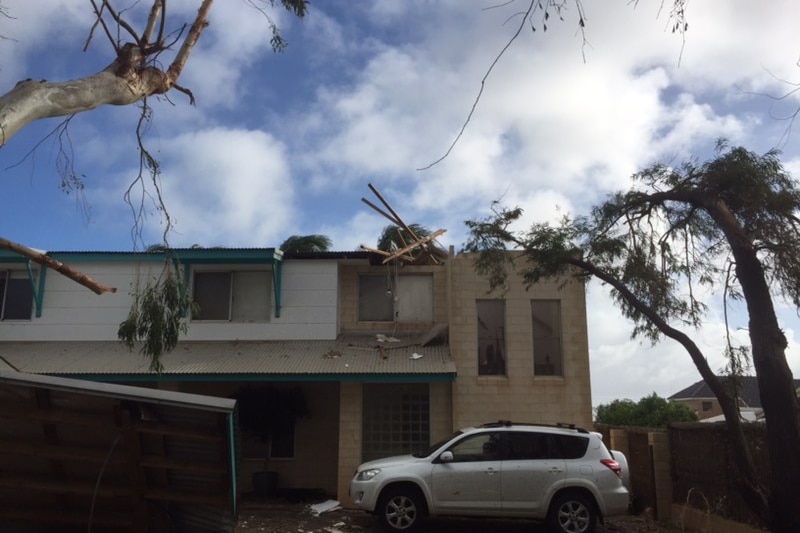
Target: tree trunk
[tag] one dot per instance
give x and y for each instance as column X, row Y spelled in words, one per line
column 748, row 482
column 776, row 386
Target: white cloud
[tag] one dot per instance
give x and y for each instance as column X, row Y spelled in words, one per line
column 370, row 92
column 227, row 187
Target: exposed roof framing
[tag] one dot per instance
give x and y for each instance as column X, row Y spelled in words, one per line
column 421, row 249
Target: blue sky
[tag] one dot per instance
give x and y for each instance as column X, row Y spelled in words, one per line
column 371, row 91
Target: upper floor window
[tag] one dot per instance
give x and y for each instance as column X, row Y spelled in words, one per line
column 491, row 337
column 406, row 298
column 234, row 296
column 547, row 350
column 16, row 296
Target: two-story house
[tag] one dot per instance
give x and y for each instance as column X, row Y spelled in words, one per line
column 388, row 357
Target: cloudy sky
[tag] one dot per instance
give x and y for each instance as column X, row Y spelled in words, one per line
column 375, row 90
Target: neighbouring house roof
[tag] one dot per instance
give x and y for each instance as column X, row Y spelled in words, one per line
column 748, row 392
column 746, row 414
column 347, row 358
column 114, row 458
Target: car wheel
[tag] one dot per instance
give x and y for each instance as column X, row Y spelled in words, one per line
column 400, row 510
column 572, row 513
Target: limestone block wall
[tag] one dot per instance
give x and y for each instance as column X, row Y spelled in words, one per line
column 519, row 395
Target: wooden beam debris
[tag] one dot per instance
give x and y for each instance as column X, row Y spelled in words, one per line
column 429, row 251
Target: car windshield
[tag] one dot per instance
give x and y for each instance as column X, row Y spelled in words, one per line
column 428, row 451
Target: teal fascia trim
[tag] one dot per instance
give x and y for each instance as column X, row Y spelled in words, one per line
column 7, row 256
column 184, row 255
column 232, row 462
column 349, row 378
column 38, row 292
column 277, row 271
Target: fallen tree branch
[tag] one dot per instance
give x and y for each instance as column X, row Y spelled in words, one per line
column 47, row 261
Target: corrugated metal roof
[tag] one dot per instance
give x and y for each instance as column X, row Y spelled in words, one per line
column 348, row 355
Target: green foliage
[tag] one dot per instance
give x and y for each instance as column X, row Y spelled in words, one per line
column 307, row 243
column 156, row 317
column 656, row 244
column 651, row 411
column 298, row 7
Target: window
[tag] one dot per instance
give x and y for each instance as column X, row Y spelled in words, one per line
column 706, row 406
column 524, row 445
column 406, row 298
column 16, row 296
column 375, row 299
column 279, row 445
column 547, row 358
column 238, row 296
column 480, row 447
column 396, row 419
column 491, row 337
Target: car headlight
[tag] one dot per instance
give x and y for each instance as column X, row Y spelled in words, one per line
column 366, row 475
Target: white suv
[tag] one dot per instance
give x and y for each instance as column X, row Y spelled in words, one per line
column 560, row 474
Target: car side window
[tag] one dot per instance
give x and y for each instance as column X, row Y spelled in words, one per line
column 480, row 447
column 570, row 447
column 529, row 445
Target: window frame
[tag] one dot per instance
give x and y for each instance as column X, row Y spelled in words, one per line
column 7, row 279
column 544, row 343
column 406, row 298
column 234, row 276
column 491, row 346
column 395, row 419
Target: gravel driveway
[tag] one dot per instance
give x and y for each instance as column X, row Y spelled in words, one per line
column 278, row 517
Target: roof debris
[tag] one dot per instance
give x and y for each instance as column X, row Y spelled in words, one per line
column 422, row 250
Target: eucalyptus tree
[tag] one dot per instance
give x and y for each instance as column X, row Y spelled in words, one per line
column 729, row 224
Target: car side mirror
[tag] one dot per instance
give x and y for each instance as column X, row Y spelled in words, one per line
column 446, row 457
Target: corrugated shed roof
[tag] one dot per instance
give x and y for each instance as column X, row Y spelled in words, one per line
column 345, row 357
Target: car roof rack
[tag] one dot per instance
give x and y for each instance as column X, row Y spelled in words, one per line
column 508, row 423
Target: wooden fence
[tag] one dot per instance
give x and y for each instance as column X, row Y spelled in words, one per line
column 688, row 464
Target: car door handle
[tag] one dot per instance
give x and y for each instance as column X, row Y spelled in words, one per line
column 490, row 471
column 555, row 470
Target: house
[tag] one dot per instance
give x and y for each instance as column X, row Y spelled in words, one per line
column 388, row 357
column 699, row 398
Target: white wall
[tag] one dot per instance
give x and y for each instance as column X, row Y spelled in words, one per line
column 71, row 312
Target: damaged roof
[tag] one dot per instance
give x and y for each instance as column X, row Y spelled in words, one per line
column 347, row 358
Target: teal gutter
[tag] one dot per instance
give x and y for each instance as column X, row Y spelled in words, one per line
column 214, row 378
